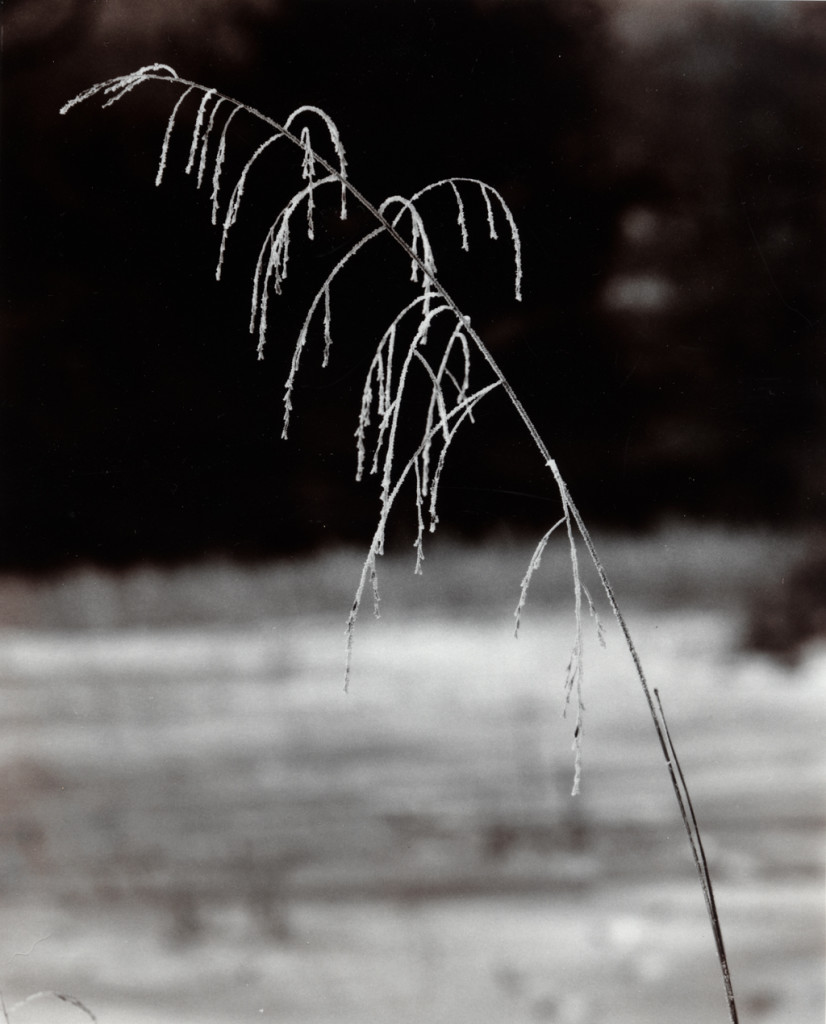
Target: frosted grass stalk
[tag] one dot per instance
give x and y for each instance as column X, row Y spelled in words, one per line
column 444, row 416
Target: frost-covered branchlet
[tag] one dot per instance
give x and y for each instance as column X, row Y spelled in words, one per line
column 430, row 337
column 116, row 88
column 447, row 364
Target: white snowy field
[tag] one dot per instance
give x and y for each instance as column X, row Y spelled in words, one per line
column 198, row 825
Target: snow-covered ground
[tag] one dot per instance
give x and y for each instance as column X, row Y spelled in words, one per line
column 198, row 825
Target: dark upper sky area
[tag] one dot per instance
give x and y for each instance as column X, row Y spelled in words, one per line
column 666, row 166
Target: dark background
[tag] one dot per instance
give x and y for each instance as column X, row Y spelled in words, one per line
column 665, row 164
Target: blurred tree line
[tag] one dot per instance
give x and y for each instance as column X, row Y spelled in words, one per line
column 665, row 164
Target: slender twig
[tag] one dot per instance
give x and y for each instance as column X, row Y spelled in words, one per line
column 695, row 838
column 37, row 996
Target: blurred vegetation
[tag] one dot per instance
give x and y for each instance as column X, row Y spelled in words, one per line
column 665, row 164
column 672, row 568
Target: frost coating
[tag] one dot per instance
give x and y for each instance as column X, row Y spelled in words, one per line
column 429, row 337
